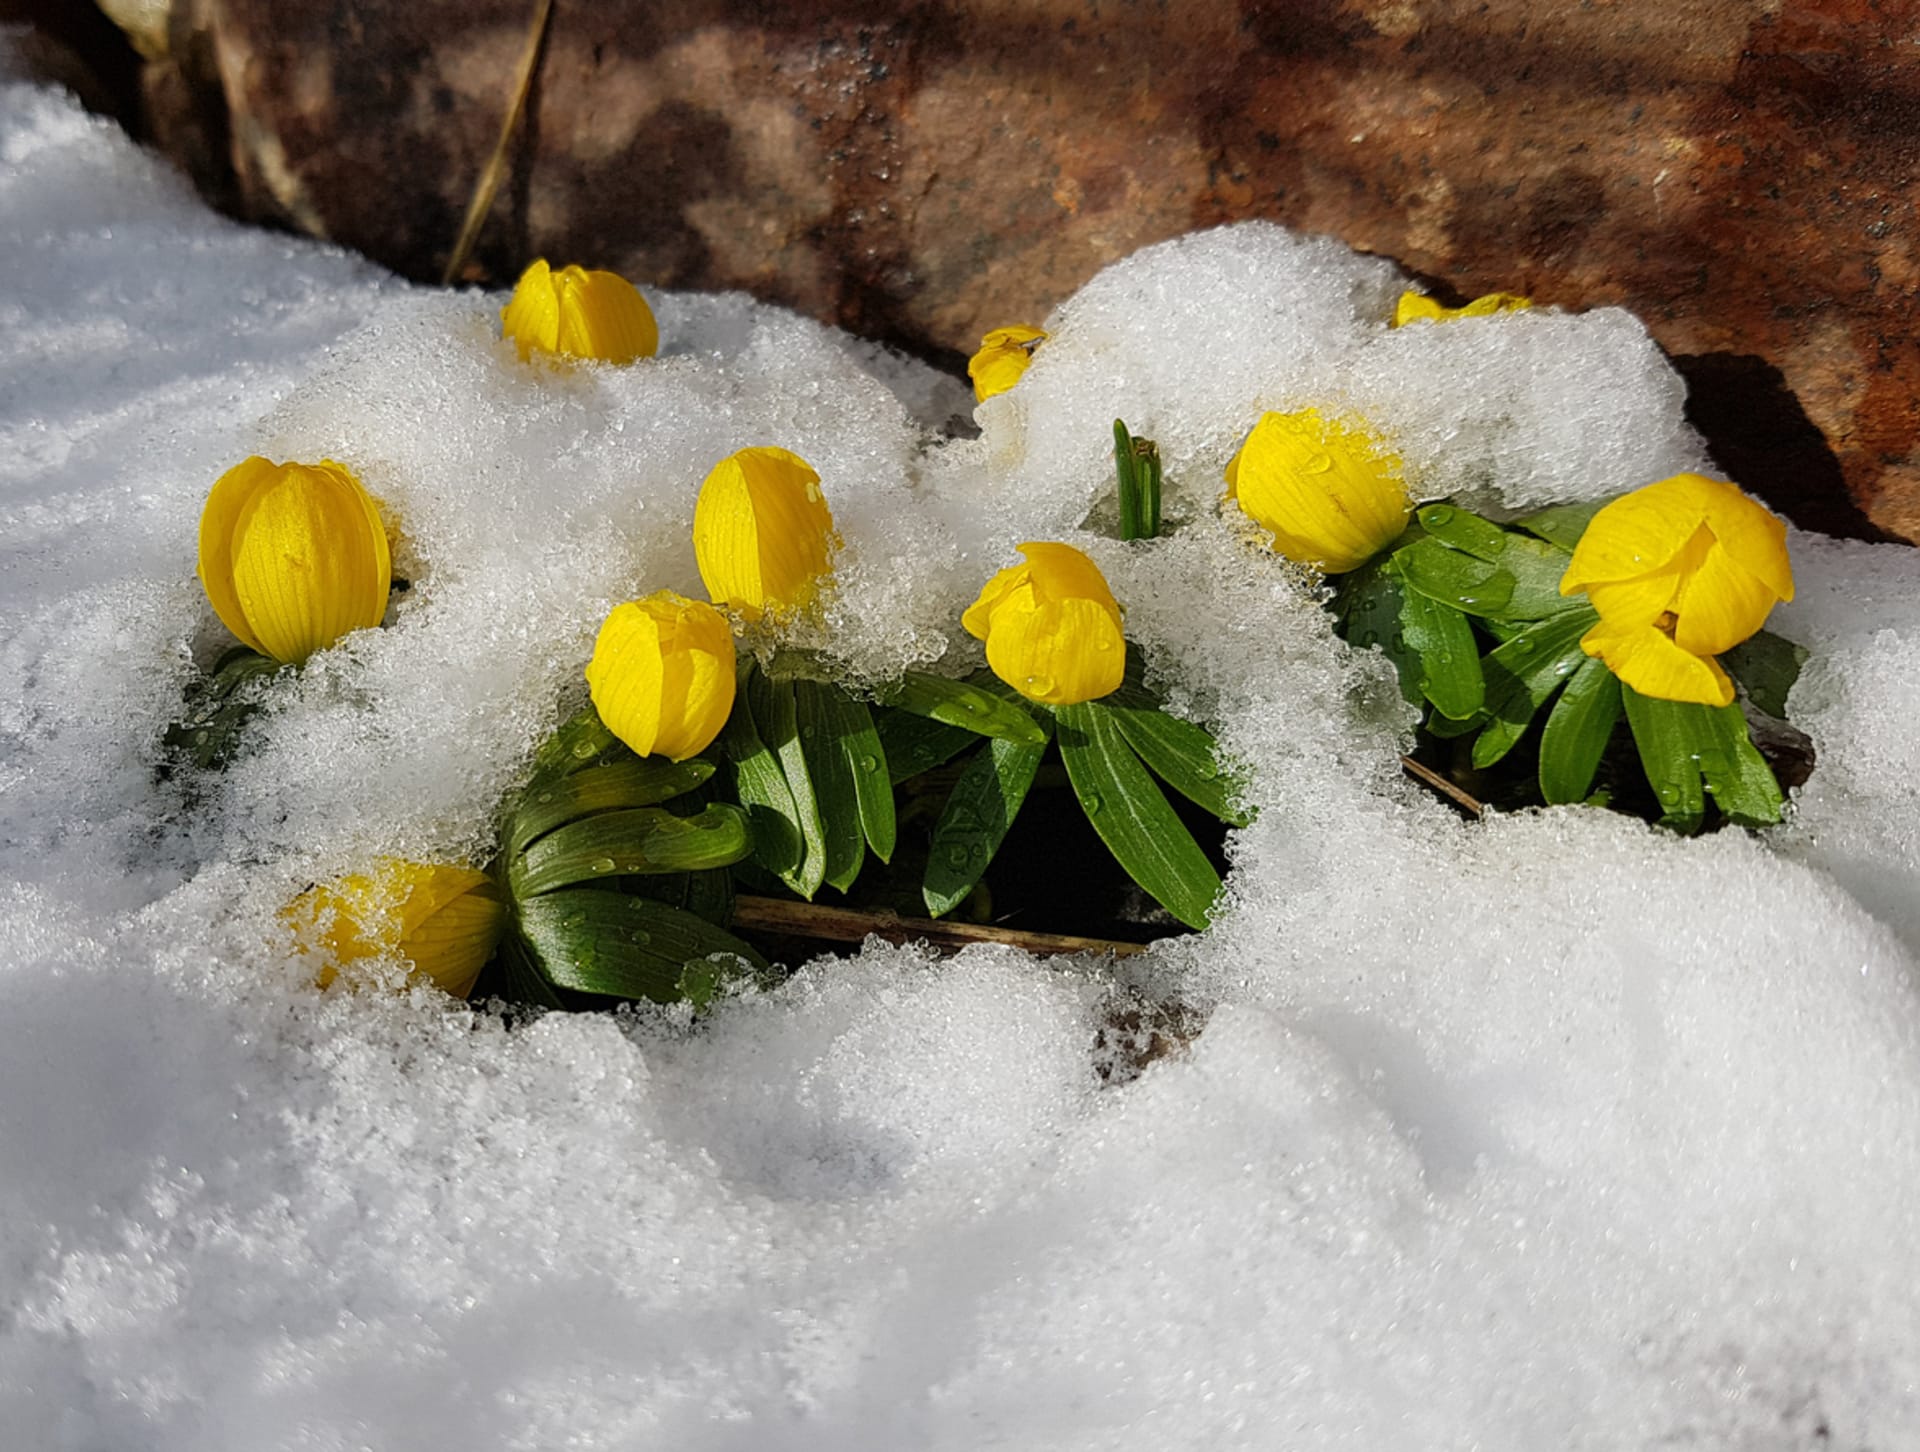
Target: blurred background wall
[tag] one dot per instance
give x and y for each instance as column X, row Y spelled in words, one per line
column 1741, row 175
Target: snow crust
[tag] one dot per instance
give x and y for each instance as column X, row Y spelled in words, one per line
column 1552, row 1131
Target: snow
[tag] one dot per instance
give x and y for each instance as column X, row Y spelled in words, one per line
column 1550, row 1131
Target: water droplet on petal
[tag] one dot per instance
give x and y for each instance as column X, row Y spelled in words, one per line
column 1316, row 463
column 1039, row 686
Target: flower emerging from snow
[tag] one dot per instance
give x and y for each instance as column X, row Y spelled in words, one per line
column 575, row 313
column 762, row 533
column 1052, row 627
column 1004, row 355
column 1416, row 307
column 293, row 556
column 444, row 920
column 1679, row 571
column 1330, row 492
column 662, row 674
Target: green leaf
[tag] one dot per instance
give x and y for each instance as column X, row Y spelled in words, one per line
column 1137, row 468
column 912, row 744
column 830, row 768
column 1665, row 733
column 1563, row 524
column 958, row 704
column 635, row 841
column 592, row 941
column 1743, row 785
column 1369, row 603
column 524, row 983
column 1484, row 570
column 974, row 822
column 217, row 710
column 1766, row 666
column 1521, row 675
column 775, row 717
column 1132, row 816
column 1577, row 731
column 581, row 740
column 859, row 741
column 1447, row 657
column 760, row 786
column 1183, row 755
column 641, row 781
column 1682, row 743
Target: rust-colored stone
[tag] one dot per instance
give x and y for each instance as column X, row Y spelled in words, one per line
column 1739, row 174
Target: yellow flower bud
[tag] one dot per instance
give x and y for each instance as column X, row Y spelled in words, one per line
column 293, row 556
column 1415, row 307
column 762, row 533
column 446, row 921
column 1004, row 355
column 662, row 674
column 1052, row 627
column 1329, row 491
column 1679, row 571
column 575, row 313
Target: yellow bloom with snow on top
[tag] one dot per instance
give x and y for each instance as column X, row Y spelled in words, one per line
column 762, row 533
column 1415, row 307
column 1004, row 355
column 1330, row 492
column 1679, row 571
column 574, row 313
column 1052, row 627
column 293, row 556
column 662, row 674
column 444, row 920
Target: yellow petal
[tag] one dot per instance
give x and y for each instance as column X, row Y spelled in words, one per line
column 310, row 559
column 662, row 674
column 603, row 316
column 1644, row 658
column 452, row 944
column 1754, row 537
column 446, row 920
column 1643, row 599
column 1637, row 533
column 1003, row 357
column 1416, row 307
column 978, row 617
column 1052, row 626
column 1721, row 604
column 763, row 536
column 531, row 317
column 1331, row 494
column 230, row 495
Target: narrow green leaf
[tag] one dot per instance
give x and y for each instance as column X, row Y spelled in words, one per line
column 581, row 740
column 1136, row 465
column 524, row 982
column 1183, row 755
column 1463, row 530
column 1563, row 524
column 867, row 759
column 958, row 704
column 1369, row 603
column 1766, row 666
column 760, row 786
column 974, row 822
column 1440, row 640
column 1132, row 816
column 635, row 841
column 1523, row 584
column 912, row 744
column 592, row 941
column 1666, row 734
column 775, row 717
column 1577, row 731
column 830, row 768
column 641, row 781
column 1521, row 675
column 1743, row 785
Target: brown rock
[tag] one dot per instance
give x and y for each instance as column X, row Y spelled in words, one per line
column 1739, row 174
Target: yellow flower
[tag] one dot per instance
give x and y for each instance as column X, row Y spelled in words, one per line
column 1679, row 571
column 1414, row 307
column 762, row 532
column 444, row 920
column 1004, row 355
column 293, row 556
column 579, row 314
column 1330, row 492
column 662, row 674
column 1052, row 627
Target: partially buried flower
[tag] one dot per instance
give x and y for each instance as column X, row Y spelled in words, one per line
column 1052, row 627
column 1004, row 355
column 1679, row 571
column 1416, row 307
column 662, row 674
column 574, row 313
column 762, row 533
column 445, row 921
column 1328, row 490
column 293, row 556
